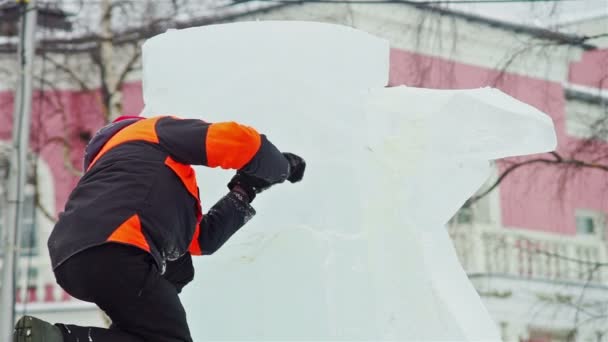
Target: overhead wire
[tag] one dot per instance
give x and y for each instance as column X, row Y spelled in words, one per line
column 358, row 1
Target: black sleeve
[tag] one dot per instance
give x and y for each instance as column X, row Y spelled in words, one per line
column 268, row 163
column 227, row 216
column 183, row 139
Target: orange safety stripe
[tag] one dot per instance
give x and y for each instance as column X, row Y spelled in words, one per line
column 130, row 233
column 230, row 145
column 195, row 247
column 188, row 177
column 186, row 174
column 141, row 130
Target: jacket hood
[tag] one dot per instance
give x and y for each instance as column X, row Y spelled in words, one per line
column 103, row 135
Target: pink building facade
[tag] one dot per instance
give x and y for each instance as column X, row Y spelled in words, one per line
column 529, row 198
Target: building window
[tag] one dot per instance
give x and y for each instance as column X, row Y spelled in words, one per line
column 464, row 215
column 30, row 278
column 589, row 223
column 478, row 212
column 585, row 225
column 28, row 228
column 585, row 115
column 548, row 336
column 28, row 232
column 485, row 210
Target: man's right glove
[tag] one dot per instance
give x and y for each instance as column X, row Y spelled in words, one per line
column 250, row 186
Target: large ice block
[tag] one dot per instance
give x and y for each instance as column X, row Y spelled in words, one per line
column 358, row 250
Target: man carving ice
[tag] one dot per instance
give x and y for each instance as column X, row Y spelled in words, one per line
column 130, row 226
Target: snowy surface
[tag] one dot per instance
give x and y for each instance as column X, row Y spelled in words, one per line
column 358, row 250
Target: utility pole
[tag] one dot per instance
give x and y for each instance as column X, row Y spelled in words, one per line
column 18, row 166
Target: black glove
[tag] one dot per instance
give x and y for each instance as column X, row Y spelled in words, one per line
column 297, row 165
column 249, row 185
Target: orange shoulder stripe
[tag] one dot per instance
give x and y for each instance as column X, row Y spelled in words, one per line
column 188, row 177
column 230, row 145
column 141, row 130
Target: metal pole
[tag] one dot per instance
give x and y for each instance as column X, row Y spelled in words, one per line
column 18, row 167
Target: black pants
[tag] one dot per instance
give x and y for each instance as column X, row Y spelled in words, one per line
column 125, row 283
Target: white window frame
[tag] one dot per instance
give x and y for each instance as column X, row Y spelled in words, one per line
column 485, row 211
column 559, row 335
column 599, row 223
column 30, row 220
column 582, row 111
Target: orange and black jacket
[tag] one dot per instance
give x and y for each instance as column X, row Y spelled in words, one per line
column 139, row 188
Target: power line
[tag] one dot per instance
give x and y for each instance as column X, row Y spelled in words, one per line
column 427, row 2
column 88, row 42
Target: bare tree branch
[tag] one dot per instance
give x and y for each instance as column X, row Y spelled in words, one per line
column 556, row 160
column 51, row 217
column 71, row 73
column 582, row 294
column 128, row 67
column 66, row 154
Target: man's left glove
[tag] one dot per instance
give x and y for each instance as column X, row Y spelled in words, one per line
column 297, row 165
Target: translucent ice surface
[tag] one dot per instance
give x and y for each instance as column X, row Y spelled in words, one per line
column 358, row 250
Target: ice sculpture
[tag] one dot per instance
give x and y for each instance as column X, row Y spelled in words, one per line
column 358, row 250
